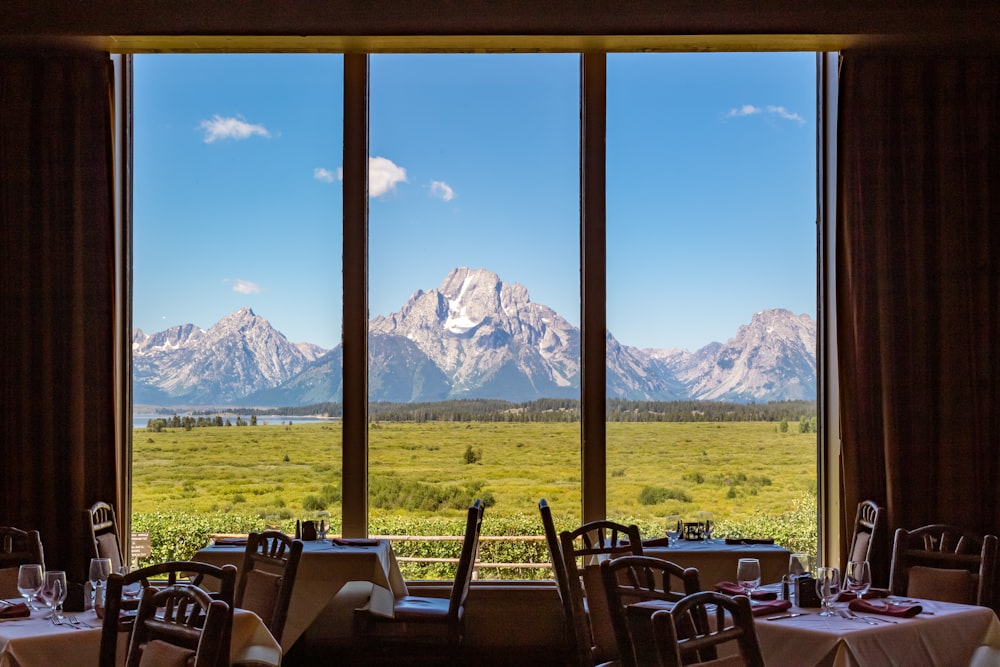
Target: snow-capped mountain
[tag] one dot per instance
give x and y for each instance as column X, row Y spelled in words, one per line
column 472, row 337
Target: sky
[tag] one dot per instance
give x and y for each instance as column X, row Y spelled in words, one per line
column 474, row 161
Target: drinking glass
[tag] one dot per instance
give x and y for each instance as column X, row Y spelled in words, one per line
column 131, row 591
column 29, row 582
column 748, row 574
column 858, row 577
column 54, row 592
column 674, row 526
column 100, row 570
column 798, row 564
column 707, row 521
column 827, row 587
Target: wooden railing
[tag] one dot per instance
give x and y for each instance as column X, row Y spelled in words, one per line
column 458, row 538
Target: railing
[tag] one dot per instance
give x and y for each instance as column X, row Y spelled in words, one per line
column 458, row 538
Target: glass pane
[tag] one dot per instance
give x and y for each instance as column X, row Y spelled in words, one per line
column 712, row 292
column 474, row 295
column 237, row 295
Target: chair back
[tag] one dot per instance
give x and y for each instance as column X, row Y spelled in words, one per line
column 221, row 579
column 867, row 526
column 583, row 550
column 636, row 579
column 267, row 577
column 559, row 572
column 17, row 547
column 466, row 563
column 180, row 626
column 100, row 522
column 699, row 623
column 944, row 562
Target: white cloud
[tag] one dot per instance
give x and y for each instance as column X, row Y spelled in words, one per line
column 771, row 109
column 230, row 128
column 745, row 110
column 782, row 112
column 442, row 190
column 245, row 287
column 325, row 175
column 383, row 175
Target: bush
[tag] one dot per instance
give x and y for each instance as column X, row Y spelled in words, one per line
column 655, row 495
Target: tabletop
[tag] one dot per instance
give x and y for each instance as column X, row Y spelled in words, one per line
column 716, row 561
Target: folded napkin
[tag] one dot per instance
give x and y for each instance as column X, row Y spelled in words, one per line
column 749, row 540
column 885, row 607
column 870, row 594
column 354, row 542
column 770, row 607
column 656, row 542
column 729, row 588
column 231, row 541
column 16, row 610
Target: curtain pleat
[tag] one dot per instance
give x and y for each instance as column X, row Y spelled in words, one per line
column 57, row 306
column 918, row 286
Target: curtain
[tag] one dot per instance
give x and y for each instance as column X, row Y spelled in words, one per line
column 918, row 287
column 57, row 431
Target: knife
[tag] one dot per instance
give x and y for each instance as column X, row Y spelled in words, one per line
column 781, row 616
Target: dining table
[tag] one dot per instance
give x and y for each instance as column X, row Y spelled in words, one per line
column 326, row 567
column 716, row 559
column 37, row 641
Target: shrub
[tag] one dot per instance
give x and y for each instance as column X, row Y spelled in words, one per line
column 655, row 495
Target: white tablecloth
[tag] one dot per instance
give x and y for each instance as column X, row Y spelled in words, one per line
column 323, row 570
column 36, row 642
column 716, row 561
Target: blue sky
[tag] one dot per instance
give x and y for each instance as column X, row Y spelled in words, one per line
column 474, row 162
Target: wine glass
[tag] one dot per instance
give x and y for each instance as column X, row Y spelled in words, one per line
column 100, row 570
column 54, row 592
column 674, row 526
column 29, row 582
column 827, row 587
column 798, row 564
column 748, row 574
column 707, row 521
column 131, row 591
column 858, row 577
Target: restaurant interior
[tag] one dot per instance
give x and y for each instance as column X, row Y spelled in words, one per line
column 909, row 279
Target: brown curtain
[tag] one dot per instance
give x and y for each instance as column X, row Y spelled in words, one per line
column 918, row 287
column 57, row 304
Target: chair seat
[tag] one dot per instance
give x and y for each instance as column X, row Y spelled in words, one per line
column 417, row 608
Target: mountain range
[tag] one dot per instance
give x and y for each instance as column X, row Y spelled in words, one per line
column 474, row 336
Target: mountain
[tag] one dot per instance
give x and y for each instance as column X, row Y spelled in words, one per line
column 472, row 337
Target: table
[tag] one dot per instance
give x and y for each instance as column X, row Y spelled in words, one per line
column 716, row 561
column 324, row 569
column 35, row 641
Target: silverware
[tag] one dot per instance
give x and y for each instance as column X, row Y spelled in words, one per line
column 781, row 616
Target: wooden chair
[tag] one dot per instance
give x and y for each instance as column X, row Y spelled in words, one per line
column 867, row 526
column 415, row 618
column 17, row 547
column 267, row 577
column 562, row 580
column 180, row 626
column 630, row 580
column 583, row 550
column 222, row 580
column 100, row 521
column 692, row 632
column 944, row 562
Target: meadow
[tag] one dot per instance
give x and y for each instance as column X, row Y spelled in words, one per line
column 758, row 478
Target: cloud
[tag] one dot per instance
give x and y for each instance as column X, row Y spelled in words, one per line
column 245, row 287
column 442, row 190
column 383, row 175
column 325, row 175
column 230, row 128
column 771, row 109
column 745, row 110
column 782, row 112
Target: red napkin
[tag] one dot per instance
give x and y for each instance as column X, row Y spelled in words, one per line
column 355, row 542
column 16, row 610
column 729, row 588
column 884, row 607
column 772, row 607
column 870, row 594
column 231, row 541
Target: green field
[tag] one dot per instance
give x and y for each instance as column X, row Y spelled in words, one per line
column 751, row 475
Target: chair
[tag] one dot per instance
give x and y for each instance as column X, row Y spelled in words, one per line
column 414, row 617
column 203, row 575
column 559, row 571
column 100, row 520
column 629, row 580
column 867, row 526
column 583, row 549
column 944, row 562
column 692, row 631
column 180, row 626
column 17, row 547
column 267, row 577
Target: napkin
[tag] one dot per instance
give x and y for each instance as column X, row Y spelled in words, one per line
column 17, row 610
column 729, row 588
column 749, row 540
column 231, row 541
column 870, row 594
column 884, row 607
column 354, row 542
column 770, row 607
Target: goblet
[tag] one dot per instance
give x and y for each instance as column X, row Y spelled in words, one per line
column 748, row 574
column 100, row 570
column 54, row 592
column 827, row 588
column 29, row 582
column 858, row 577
